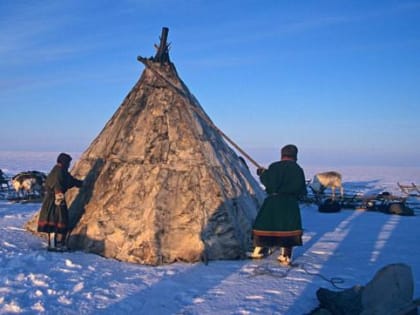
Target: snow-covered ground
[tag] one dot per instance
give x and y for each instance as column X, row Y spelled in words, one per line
column 340, row 250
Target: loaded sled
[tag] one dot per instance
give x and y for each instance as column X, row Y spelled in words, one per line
column 411, row 190
column 384, row 202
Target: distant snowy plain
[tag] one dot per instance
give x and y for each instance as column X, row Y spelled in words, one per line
column 340, row 250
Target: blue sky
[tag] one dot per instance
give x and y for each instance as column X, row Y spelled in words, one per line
column 340, row 79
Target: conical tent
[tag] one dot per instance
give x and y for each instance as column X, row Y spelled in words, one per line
column 161, row 184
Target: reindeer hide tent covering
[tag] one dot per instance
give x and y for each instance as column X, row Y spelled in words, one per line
column 161, row 184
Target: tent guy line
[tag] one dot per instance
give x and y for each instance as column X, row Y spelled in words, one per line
column 218, row 130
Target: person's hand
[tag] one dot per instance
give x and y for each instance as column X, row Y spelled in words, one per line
column 59, row 199
column 260, row 170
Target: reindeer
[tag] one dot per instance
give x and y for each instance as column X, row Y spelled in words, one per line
column 331, row 179
column 29, row 183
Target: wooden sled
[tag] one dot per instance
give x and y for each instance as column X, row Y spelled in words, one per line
column 411, row 190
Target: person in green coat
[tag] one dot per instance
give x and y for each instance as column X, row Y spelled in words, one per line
column 279, row 223
column 53, row 217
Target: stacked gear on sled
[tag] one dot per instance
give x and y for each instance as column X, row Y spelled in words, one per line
column 383, row 202
column 389, row 204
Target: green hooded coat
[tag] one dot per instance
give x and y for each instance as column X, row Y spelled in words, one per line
column 278, row 222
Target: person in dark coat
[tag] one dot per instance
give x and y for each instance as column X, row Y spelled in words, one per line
column 279, row 223
column 53, row 217
column 3, row 180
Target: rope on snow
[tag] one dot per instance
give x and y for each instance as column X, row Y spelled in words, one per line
column 281, row 272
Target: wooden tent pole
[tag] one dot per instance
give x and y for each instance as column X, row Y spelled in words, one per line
column 236, row 146
column 162, row 53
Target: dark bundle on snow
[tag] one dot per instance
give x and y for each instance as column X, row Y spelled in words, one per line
column 390, row 292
